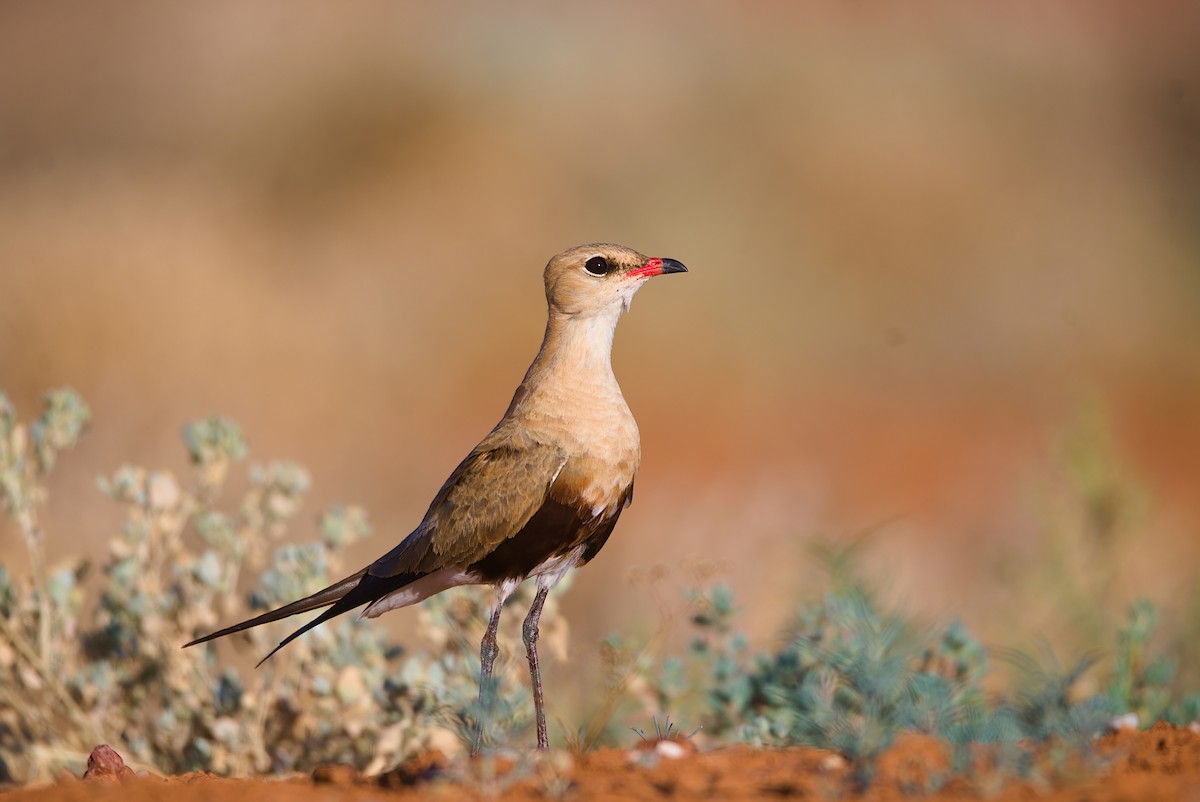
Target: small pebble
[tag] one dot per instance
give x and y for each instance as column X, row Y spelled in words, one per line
column 335, row 774
column 105, row 765
column 1125, row 723
column 419, row 768
column 672, row 750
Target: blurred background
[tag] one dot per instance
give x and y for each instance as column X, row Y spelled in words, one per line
column 944, row 288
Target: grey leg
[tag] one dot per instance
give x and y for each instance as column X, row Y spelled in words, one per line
column 487, row 659
column 530, row 633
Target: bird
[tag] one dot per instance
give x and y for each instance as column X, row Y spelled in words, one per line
column 540, row 494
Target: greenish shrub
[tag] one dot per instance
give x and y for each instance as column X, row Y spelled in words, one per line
column 1142, row 680
column 89, row 656
column 850, row 677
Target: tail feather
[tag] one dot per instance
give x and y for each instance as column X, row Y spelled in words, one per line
column 322, row 598
column 353, row 591
column 339, row 607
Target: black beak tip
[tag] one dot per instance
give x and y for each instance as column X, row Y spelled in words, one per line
column 673, row 266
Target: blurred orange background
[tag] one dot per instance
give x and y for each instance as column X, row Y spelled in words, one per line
column 921, row 239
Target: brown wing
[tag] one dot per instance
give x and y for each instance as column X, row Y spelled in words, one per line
column 556, row 529
column 488, row 499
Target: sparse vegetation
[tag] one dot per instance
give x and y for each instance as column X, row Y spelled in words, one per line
column 850, row 678
column 91, row 654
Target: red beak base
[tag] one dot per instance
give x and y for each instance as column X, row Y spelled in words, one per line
column 657, row 267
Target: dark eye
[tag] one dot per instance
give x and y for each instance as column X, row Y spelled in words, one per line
column 597, row 266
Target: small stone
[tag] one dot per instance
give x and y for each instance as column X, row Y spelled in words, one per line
column 672, row 750
column 1124, row 723
column 833, row 762
column 421, row 767
column 1194, row 728
column 105, row 765
column 335, row 774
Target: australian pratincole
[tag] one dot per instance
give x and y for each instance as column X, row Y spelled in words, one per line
column 542, row 492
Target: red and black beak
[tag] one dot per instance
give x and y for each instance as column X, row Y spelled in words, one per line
column 657, row 267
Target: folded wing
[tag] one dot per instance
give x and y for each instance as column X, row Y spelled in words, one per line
column 488, row 498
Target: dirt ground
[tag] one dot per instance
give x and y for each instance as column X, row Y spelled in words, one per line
column 1162, row 763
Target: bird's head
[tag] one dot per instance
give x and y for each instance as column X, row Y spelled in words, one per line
column 593, row 279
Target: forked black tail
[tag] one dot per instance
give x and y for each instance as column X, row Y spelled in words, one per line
column 340, row 597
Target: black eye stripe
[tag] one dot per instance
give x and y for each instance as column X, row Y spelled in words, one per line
column 597, row 266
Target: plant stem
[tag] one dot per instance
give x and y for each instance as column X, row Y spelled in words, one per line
column 77, row 715
column 32, row 532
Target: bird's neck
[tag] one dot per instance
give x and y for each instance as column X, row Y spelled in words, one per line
column 570, row 393
column 576, row 353
column 578, row 343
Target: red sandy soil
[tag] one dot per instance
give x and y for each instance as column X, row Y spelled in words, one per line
column 1162, row 763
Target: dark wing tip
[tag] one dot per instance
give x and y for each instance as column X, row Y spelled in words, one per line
column 337, row 609
column 322, row 598
column 356, row 590
column 214, row 635
column 271, row 653
column 227, row 630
